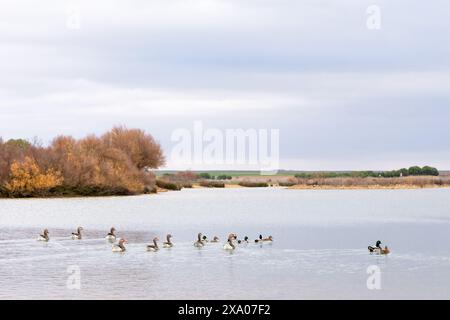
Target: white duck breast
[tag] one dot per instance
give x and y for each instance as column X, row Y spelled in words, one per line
column 228, row 246
column 119, row 247
column 110, row 237
column 77, row 235
column 199, row 243
column 42, row 238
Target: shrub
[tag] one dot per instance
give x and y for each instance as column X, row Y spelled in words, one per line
column 186, row 185
column 250, row 184
column 212, row 184
column 167, row 185
column 118, row 162
column 286, row 184
column 27, row 179
column 224, row 177
column 430, row 171
column 204, row 175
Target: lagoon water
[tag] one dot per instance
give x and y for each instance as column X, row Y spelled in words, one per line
column 320, row 248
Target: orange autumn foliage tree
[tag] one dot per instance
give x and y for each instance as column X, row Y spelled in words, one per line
column 118, row 162
column 26, row 179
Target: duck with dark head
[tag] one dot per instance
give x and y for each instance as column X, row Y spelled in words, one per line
column 168, row 243
column 377, row 247
column 153, row 247
column 245, row 241
column 259, row 240
column 111, row 236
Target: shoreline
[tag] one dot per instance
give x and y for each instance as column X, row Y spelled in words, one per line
column 373, row 187
column 331, row 187
column 237, row 186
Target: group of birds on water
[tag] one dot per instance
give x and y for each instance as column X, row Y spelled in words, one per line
column 202, row 240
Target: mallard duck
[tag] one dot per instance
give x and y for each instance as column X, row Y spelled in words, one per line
column 376, row 248
column 259, row 240
column 245, row 241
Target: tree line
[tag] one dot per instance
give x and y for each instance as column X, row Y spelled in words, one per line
column 404, row 172
column 117, row 162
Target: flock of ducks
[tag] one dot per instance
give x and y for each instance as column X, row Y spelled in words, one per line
column 202, row 240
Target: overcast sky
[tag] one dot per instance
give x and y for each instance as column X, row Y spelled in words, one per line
column 343, row 96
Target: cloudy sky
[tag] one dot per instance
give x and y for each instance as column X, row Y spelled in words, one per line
column 344, row 96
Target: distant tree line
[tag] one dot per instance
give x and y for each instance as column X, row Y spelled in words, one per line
column 404, row 172
column 118, row 162
column 208, row 176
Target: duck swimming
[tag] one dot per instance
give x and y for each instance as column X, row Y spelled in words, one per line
column 259, row 240
column 168, row 243
column 153, row 247
column 44, row 237
column 199, row 243
column 215, row 239
column 269, row 239
column 245, row 241
column 120, row 247
column 111, row 236
column 229, row 245
column 77, row 235
column 376, row 248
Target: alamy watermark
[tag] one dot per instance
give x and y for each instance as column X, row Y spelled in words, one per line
column 374, row 279
column 256, row 149
column 373, row 21
column 74, row 280
column 73, row 19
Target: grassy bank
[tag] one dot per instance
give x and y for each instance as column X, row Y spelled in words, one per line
column 373, row 183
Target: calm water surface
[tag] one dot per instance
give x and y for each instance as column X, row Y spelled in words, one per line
column 319, row 250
